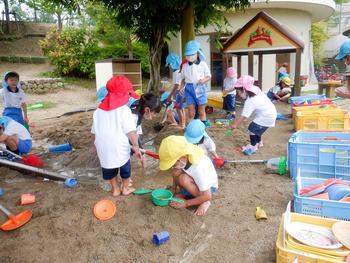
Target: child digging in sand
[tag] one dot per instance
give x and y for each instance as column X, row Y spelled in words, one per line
column 192, row 171
column 112, row 129
column 259, row 104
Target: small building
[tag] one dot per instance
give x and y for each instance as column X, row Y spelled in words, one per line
column 296, row 15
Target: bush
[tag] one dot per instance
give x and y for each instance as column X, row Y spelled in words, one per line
column 74, row 51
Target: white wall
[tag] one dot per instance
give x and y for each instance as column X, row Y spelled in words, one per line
column 205, row 46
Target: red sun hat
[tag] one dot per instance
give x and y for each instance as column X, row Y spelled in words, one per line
column 119, row 91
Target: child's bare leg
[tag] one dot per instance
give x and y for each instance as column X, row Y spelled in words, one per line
column 170, row 118
column 182, row 118
column 191, row 112
column 202, row 114
column 12, row 142
column 115, row 187
column 126, row 189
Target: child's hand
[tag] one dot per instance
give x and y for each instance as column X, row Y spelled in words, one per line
column 137, row 152
column 26, row 120
column 181, row 91
column 178, row 205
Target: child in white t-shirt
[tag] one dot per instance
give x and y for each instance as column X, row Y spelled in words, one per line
column 229, row 93
column 15, row 136
column 259, row 104
column 112, row 130
column 280, row 92
column 193, row 172
column 195, row 133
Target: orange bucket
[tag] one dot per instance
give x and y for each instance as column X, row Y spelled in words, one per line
column 27, row 199
column 104, row 209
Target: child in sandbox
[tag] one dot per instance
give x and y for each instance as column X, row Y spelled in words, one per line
column 14, row 98
column 229, row 93
column 192, row 171
column 259, row 104
column 112, row 128
column 280, row 92
column 15, row 136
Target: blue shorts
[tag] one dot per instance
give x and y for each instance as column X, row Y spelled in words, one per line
column 229, row 102
column 125, row 172
column 188, row 195
column 14, row 113
column 271, row 96
column 195, row 94
column 180, row 100
column 257, row 129
column 24, row 146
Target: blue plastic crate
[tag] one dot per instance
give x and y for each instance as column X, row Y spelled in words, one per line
column 315, row 155
column 318, row 207
column 302, row 99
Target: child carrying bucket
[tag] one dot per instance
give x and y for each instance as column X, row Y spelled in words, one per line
column 112, row 130
column 14, row 98
column 192, row 171
column 259, row 104
column 229, row 93
column 173, row 61
column 195, row 133
column 195, row 74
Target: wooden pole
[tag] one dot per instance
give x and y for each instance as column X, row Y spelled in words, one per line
column 297, row 88
column 239, row 66
column 187, row 26
column 260, row 70
column 251, row 63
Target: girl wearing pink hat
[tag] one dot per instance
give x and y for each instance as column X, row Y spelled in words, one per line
column 258, row 103
column 229, row 93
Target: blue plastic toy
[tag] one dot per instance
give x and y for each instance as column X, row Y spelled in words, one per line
column 61, row 148
column 160, row 238
column 70, row 182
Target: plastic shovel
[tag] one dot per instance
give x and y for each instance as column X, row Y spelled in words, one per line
column 153, row 155
column 15, row 221
column 29, row 159
column 143, row 191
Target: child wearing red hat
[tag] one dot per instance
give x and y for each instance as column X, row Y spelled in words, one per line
column 112, row 129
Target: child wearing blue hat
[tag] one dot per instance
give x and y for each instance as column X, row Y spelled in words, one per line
column 172, row 116
column 14, row 98
column 195, row 133
column 344, row 54
column 195, row 74
column 173, row 61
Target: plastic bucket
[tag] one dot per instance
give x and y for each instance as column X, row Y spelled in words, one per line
column 161, row 237
column 161, row 197
column 66, row 147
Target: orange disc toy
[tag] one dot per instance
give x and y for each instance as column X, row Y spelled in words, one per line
column 104, row 209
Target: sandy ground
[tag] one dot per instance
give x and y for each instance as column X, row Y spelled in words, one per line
column 63, row 228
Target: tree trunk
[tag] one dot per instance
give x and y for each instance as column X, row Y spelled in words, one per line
column 130, row 51
column 155, row 52
column 35, row 15
column 187, row 26
column 7, row 17
column 59, row 21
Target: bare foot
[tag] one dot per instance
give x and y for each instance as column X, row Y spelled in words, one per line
column 116, row 191
column 202, row 209
column 127, row 190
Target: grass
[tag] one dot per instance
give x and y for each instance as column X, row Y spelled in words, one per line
column 46, row 104
column 81, row 82
column 308, row 92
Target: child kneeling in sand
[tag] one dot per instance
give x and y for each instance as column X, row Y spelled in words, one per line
column 112, row 129
column 193, row 172
column 15, row 136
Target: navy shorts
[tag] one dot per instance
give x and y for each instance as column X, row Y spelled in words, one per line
column 257, row 129
column 125, row 172
column 188, row 195
column 229, row 102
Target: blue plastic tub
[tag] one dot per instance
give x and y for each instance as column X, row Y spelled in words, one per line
column 319, row 155
column 318, row 207
column 302, row 99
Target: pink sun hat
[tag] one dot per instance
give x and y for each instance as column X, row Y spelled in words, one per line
column 247, row 82
column 231, row 72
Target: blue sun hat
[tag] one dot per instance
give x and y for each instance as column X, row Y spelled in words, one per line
column 164, row 96
column 193, row 47
column 195, row 131
column 344, row 50
column 282, row 75
column 173, row 60
column 101, row 94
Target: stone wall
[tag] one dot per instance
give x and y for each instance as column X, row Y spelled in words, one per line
column 41, row 86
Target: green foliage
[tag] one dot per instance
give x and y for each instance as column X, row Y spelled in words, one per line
column 319, row 36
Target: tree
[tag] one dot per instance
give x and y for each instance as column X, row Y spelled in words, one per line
column 319, row 35
column 7, row 17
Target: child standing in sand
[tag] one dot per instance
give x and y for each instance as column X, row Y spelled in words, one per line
column 112, row 129
column 14, row 98
column 193, row 172
column 229, row 93
column 259, row 104
column 195, row 75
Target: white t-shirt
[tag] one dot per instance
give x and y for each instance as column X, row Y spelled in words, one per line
column 177, row 77
column 15, row 128
column 283, row 70
column 265, row 111
column 13, row 99
column 193, row 73
column 138, row 127
column 208, row 145
column 203, row 174
column 229, row 83
column 111, row 140
column 275, row 89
